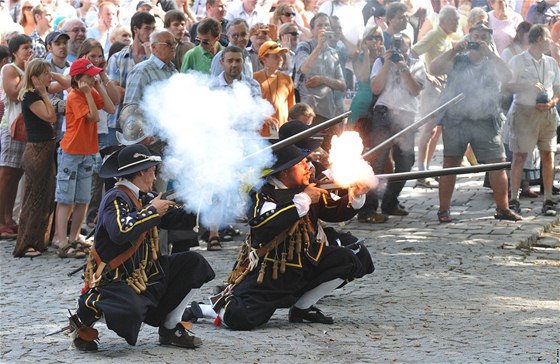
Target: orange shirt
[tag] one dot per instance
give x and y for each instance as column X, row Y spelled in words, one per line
column 278, row 89
column 81, row 135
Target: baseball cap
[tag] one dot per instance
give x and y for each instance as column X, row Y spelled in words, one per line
column 54, row 36
column 481, row 25
column 144, row 3
column 271, row 47
column 82, row 66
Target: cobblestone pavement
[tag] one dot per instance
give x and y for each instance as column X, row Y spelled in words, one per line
column 476, row 290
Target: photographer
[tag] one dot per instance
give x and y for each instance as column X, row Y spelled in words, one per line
column 533, row 118
column 474, row 70
column 398, row 80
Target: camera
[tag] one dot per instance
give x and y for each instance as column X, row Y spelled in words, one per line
column 396, row 47
column 473, row 45
column 329, row 35
column 542, row 98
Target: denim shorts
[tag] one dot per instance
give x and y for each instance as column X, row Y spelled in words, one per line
column 73, row 180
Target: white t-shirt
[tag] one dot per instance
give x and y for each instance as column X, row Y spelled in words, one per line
column 527, row 69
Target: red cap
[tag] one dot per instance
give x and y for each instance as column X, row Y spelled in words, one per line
column 83, row 66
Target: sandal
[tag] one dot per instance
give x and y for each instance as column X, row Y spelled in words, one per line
column 71, row 250
column 444, row 216
column 507, row 214
column 7, row 233
column 31, row 253
column 213, row 244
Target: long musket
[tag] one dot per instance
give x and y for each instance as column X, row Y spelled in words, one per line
column 405, row 176
column 413, row 126
column 302, row 135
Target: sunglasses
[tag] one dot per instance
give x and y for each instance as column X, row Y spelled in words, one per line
column 295, row 34
column 203, row 42
column 27, row 7
column 289, row 14
column 378, row 38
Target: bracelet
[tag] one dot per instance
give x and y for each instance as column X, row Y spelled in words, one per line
column 106, row 82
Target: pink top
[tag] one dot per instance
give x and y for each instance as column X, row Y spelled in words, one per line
column 504, row 30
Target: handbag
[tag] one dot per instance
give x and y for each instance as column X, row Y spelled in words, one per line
column 17, row 129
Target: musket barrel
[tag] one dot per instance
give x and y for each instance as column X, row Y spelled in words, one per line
column 303, row 135
column 405, row 176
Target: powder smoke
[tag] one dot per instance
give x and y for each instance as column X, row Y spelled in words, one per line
column 209, row 131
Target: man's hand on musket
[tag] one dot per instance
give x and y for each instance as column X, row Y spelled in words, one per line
column 162, row 206
column 314, row 192
column 361, row 188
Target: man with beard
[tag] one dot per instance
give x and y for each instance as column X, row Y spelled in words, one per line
column 286, row 261
column 76, row 30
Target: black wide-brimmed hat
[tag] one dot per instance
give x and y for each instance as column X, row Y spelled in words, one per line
column 128, row 160
column 287, row 157
column 295, row 127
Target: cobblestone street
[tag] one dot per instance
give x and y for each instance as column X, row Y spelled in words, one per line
column 475, row 290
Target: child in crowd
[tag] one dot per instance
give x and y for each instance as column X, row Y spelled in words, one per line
column 76, row 156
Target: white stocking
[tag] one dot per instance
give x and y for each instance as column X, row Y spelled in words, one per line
column 311, row 297
column 174, row 317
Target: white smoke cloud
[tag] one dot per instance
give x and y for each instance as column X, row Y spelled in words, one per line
column 209, row 131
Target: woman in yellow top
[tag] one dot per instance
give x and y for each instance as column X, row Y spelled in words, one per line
column 276, row 87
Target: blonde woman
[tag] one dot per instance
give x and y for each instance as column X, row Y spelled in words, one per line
column 37, row 161
column 286, row 13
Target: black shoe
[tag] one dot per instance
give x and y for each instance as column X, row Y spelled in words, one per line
column 311, row 314
column 192, row 313
column 395, row 211
column 83, row 345
column 178, row 337
column 548, row 208
column 515, row 206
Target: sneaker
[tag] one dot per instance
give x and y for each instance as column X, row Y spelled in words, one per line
column 178, row 337
column 548, row 208
column 311, row 314
column 515, row 206
column 427, row 183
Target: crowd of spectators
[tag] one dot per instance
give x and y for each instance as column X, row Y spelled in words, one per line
column 70, row 70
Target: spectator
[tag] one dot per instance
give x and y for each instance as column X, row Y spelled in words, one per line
column 435, row 43
column 21, row 51
column 310, row 8
column 370, row 48
column 76, row 156
column 476, row 16
column 76, row 30
column 248, row 10
column 536, row 88
column 288, row 37
column 319, row 73
column 503, row 21
column 396, row 21
column 57, row 45
column 107, row 21
column 37, row 161
column 156, row 68
column 26, row 17
column 302, row 112
column 543, row 12
column 43, row 25
column 519, row 44
column 286, row 13
column 258, row 34
column 120, row 34
column 370, row 8
column 92, row 50
column 238, row 35
column 215, row 9
column 276, row 87
column 121, row 63
column 397, row 79
column 200, row 57
column 175, row 22
column 476, row 72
